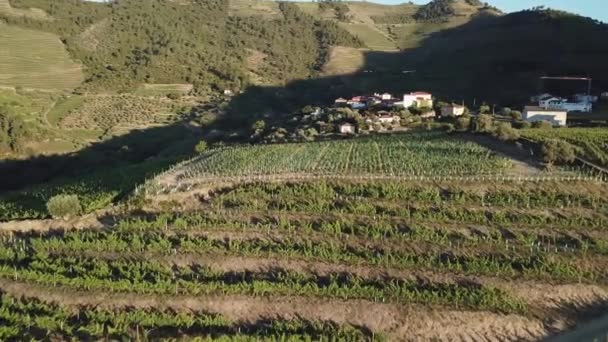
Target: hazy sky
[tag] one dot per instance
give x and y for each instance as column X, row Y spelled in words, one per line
column 597, row 9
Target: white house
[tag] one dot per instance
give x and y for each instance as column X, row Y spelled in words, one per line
column 347, row 128
column 418, row 99
column 561, row 104
column 388, row 119
column 557, row 117
column 452, row 110
column 538, row 98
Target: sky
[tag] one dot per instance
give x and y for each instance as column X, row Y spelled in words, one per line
column 597, row 9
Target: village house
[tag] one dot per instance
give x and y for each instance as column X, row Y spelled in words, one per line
column 347, row 128
column 429, row 114
column 538, row 98
column 561, row 104
column 340, row 101
column 557, row 117
column 358, row 102
column 452, row 110
column 418, row 99
column 388, row 119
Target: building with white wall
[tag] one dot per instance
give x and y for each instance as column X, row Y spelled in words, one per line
column 418, row 99
column 557, row 117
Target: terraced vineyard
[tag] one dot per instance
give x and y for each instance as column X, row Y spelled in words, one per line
column 321, row 260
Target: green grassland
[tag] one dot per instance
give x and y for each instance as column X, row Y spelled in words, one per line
column 35, row 59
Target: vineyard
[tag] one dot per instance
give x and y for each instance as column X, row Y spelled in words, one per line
column 592, row 142
column 418, row 153
column 417, row 236
column 321, row 260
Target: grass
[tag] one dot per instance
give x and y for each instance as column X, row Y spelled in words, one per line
column 34, row 59
column 371, row 37
column 268, row 9
column 63, row 108
column 34, row 13
column 163, row 89
column 344, row 60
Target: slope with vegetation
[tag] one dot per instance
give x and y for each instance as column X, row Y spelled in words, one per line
column 320, row 258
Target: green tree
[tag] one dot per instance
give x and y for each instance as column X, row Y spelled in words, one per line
column 558, row 151
column 505, row 132
column 516, row 115
column 64, row 206
column 201, row 147
column 483, row 123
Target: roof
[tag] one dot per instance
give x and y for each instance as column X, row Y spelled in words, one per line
column 419, row 93
column 340, row 99
column 541, row 109
column 347, row 124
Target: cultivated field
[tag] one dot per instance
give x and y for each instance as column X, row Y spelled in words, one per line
column 421, row 255
column 35, row 59
column 34, row 13
column 591, row 142
column 119, row 113
column 372, row 37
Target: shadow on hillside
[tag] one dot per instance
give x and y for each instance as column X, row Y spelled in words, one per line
column 496, row 60
column 139, row 147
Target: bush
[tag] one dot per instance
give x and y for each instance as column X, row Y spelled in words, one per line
column 64, row 206
column 505, row 132
column 522, row 124
column 558, row 151
column 506, row 111
column 482, row 123
column 463, row 123
column 200, row 147
column 542, row 124
column 516, row 115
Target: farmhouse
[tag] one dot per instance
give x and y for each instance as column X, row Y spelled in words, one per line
column 388, row 119
column 561, row 104
column 341, row 101
column 418, row 99
column 557, row 117
column 452, row 110
column 347, row 128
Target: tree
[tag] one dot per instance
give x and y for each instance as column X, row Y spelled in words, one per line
column 463, row 123
column 484, row 109
column 482, row 123
column 201, row 147
column 505, row 132
column 516, row 115
column 64, row 206
column 558, row 151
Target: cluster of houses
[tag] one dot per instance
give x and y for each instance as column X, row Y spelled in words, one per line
column 417, row 99
column 420, row 101
column 555, row 109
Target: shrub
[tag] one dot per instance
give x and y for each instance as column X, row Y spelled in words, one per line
column 522, row 124
column 505, row 132
column 516, row 115
column 200, row 147
column 64, row 206
column 482, row 123
column 542, row 124
column 463, row 123
column 506, row 111
column 559, row 151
